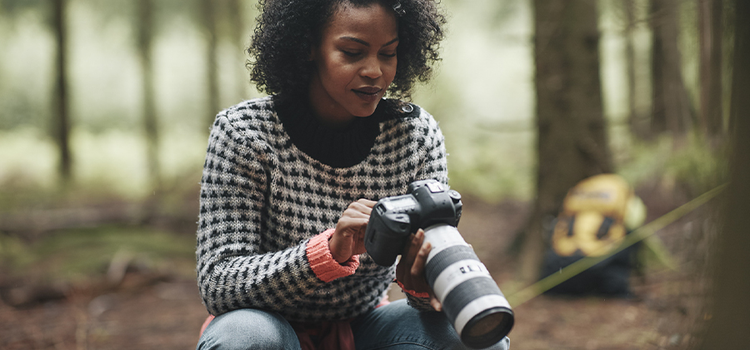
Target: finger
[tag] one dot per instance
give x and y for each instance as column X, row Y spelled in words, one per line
column 358, row 211
column 417, row 267
column 361, row 211
column 435, row 303
column 366, row 202
column 412, row 249
column 363, row 206
column 357, row 214
column 352, row 222
column 416, row 243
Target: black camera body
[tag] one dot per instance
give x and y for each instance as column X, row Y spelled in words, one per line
column 471, row 299
column 394, row 219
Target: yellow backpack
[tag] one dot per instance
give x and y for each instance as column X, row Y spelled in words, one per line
column 596, row 215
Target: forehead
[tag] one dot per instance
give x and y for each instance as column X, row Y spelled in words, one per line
column 372, row 19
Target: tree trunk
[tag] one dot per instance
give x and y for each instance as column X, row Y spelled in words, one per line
column 237, row 35
column 710, row 31
column 572, row 137
column 150, row 123
column 60, row 100
column 212, row 75
column 634, row 119
column 729, row 317
column 671, row 108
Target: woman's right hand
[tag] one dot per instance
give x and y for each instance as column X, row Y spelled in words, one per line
column 349, row 237
column 410, row 269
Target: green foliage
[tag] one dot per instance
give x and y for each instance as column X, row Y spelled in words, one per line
column 13, row 7
column 690, row 163
column 697, row 166
column 485, row 78
column 491, row 165
column 18, row 110
column 25, row 66
column 76, row 255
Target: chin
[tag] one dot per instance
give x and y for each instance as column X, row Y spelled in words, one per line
column 365, row 111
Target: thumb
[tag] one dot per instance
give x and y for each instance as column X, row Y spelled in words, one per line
column 435, row 303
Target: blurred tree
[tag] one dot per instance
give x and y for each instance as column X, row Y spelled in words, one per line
column 236, row 35
column 60, row 100
column 571, row 129
column 671, row 107
column 634, row 119
column 630, row 60
column 11, row 7
column 730, row 303
column 630, row 17
column 208, row 12
column 710, row 31
column 150, row 123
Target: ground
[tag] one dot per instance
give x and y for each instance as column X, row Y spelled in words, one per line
column 150, row 309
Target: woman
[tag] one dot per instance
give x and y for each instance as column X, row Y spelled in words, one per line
column 290, row 180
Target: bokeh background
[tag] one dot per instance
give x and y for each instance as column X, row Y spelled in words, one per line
column 105, row 108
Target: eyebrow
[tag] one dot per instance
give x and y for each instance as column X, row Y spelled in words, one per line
column 351, row 38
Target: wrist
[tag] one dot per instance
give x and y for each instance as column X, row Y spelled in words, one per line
column 322, row 262
column 412, row 292
column 334, row 252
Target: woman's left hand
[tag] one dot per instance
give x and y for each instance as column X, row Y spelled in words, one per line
column 349, row 237
column 410, row 269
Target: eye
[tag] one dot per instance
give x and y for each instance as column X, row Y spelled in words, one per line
column 389, row 55
column 350, row 53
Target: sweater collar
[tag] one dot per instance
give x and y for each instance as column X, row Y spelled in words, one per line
column 338, row 148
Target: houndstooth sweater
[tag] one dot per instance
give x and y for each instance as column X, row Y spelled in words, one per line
column 267, row 208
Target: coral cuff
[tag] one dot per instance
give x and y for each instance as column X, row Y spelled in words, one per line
column 322, row 262
column 413, row 292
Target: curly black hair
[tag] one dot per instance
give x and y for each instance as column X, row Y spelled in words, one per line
column 287, row 29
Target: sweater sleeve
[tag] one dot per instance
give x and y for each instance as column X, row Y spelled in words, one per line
column 322, row 262
column 233, row 272
column 419, row 301
column 434, row 164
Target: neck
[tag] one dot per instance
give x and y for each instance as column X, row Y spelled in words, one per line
column 340, row 147
column 327, row 112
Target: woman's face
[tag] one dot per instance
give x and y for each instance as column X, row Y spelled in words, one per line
column 354, row 63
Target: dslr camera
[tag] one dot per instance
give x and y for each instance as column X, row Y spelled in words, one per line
column 470, row 297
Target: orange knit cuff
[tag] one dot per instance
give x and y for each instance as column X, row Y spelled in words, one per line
column 322, row 262
column 413, row 292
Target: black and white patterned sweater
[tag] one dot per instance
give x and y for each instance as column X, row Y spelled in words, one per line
column 267, row 208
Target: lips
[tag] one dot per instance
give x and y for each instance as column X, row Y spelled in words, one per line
column 368, row 93
column 370, row 90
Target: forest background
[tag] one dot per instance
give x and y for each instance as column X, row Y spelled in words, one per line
column 105, row 109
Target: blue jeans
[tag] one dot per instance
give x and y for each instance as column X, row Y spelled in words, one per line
column 394, row 326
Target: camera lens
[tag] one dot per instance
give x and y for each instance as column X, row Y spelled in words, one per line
column 471, row 299
column 485, row 326
column 484, row 329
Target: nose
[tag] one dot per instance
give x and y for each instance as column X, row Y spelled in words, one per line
column 371, row 68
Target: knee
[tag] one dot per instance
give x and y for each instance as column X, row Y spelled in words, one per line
column 504, row 344
column 249, row 329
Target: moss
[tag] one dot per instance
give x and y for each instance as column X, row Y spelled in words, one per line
column 73, row 255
